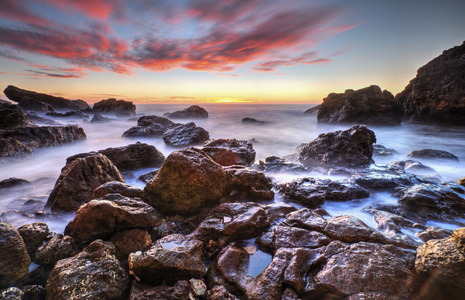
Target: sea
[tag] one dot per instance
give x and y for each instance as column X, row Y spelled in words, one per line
column 286, row 127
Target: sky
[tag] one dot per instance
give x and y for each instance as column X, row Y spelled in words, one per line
column 213, row 51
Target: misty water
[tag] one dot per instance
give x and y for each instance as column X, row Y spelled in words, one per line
column 286, row 128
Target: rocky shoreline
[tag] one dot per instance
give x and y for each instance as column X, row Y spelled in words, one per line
column 205, row 225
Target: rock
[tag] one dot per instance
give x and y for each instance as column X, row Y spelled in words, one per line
column 94, row 273
column 313, row 110
column 248, row 183
column 434, row 233
column 172, row 258
column 187, row 181
column 33, row 235
column 312, row 192
column 252, row 121
column 274, row 164
column 380, row 150
column 179, row 291
column 417, row 168
column 12, row 117
column 101, row 218
column 58, row 103
column 38, row 276
column 129, row 241
column 33, row 292
column 13, row 182
column 56, row 248
column 441, row 264
column 15, row 260
column 292, row 237
column 185, row 135
column 228, row 152
column 432, row 153
column 150, row 126
column 147, row 176
column 130, row 157
column 198, row 287
column 436, row 94
column 12, row 293
column 369, row 106
column 348, row 148
column 69, row 114
column 219, row 292
column 98, row 118
column 461, row 181
column 9, row 147
column 119, row 188
column 119, row 107
column 30, row 104
column 192, row 112
column 38, row 120
column 78, row 179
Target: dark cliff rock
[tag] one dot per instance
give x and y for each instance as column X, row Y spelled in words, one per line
column 313, row 111
column 185, row 135
column 437, row 93
column 369, row 105
column 150, row 126
column 192, row 112
column 119, row 107
column 228, row 152
column 12, row 117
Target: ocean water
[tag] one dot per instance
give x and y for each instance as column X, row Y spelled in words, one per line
column 286, row 128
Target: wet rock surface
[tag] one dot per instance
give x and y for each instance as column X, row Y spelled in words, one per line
column 192, row 112
column 33, row 235
column 228, row 152
column 179, row 291
column 274, row 164
column 118, row 107
column 185, row 135
column 432, row 153
column 247, row 183
column 154, row 126
column 55, row 248
column 369, row 106
column 118, row 188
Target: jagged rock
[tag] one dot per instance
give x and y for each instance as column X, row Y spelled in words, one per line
column 33, row 235
column 293, row 237
column 14, row 262
column 58, row 103
column 68, row 114
column 185, row 135
column 98, row 118
column 78, row 179
column 187, row 181
column 33, row 292
column 383, row 151
column 38, row 120
column 276, row 164
column 54, row 249
column 437, row 93
column 129, row 241
column 172, row 258
column 313, row 111
column 119, row 188
column 10, row 147
column 179, row 291
column 147, row 176
column 119, row 107
column 248, row 183
column 95, row 273
column 369, row 106
column 30, row 104
column 150, row 126
column 192, row 112
column 13, row 182
column 101, row 218
column 219, row 292
column 12, row 293
column 441, row 264
column 348, row 148
column 312, row 192
column 434, row 233
column 228, row 152
column 12, row 117
column 432, row 153
column 252, row 121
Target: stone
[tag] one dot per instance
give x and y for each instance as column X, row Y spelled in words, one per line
column 274, row 164
column 380, row 150
column 56, row 248
column 33, row 105
column 118, row 188
column 119, row 107
column 147, row 176
column 179, row 291
column 101, row 218
column 15, row 261
column 33, row 292
column 219, row 292
column 95, row 273
column 172, row 258
column 292, row 237
column 187, row 181
column 313, row 110
column 153, row 126
column 192, row 112
column 185, row 135
column 12, row 117
column 10, row 147
column 198, row 287
column 249, row 184
column 252, row 121
column 348, row 148
column 38, row 120
column 434, row 233
column 432, row 154
column 58, row 103
column 228, row 152
column 461, row 181
column 13, row 182
column 98, row 118
column 69, row 114
column 78, row 179
column 369, row 106
column 33, row 235
column 312, row 192
column 131, row 240
column 417, row 168
column 12, row 293
column 437, row 93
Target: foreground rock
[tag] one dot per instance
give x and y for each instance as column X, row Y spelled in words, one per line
column 150, row 126
column 78, row 179
column 95, row 273
column 228, row 152
column 185, row 135
column 437, row 93
column 130, row 157
column 118, row 107
column 33, row 235
column 14, row 262
column 369, row 106
column 432, row 154
column 58, row 103
column 187, row 181
column 249, row 184
column 192, row 112
column 273, row 164
column 12, row 117
column 348, row 148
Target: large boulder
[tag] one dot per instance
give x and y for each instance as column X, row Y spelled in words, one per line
column 95, row 273
column 228, row 152
column 12, row 117
column 130, row 157
column 78, row 179
column 119, row 107
column 14, row 262
column 432, row 154
column 369, row 106
column 437, row 93
column 185, row 135
column 187, row 181
column 249, row 184
column 192, row 112
column 55, row 248
column 153, row 126
column 58, row 103
column 349, row 148
column 33, row 235
column 31, row 104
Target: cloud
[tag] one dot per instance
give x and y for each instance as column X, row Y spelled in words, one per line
column 45, row 71
column 18, row 11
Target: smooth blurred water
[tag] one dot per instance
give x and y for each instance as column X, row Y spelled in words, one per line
column 286, row 128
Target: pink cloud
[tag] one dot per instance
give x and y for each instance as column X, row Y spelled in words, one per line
column 17, row 11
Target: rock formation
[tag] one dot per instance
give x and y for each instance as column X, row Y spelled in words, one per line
column 118, row 107
column 192, row 112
